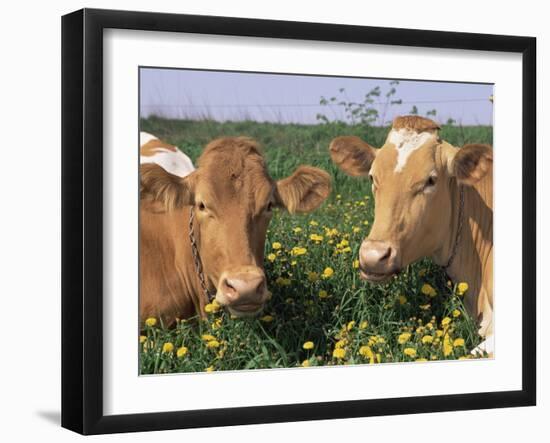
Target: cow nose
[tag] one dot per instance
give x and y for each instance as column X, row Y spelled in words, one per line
column 377, row 257
column 243, row 292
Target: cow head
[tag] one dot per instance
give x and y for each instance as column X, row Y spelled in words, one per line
column 233, row 198
column 412, row 177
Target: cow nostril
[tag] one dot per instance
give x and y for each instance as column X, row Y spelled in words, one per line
column 386, row 255
column 229, row 285
column 229, row 288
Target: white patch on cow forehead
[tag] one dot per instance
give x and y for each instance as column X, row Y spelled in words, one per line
column 406, row 142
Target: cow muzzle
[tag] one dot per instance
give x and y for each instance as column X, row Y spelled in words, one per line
column 243, row 292
column 378, row 260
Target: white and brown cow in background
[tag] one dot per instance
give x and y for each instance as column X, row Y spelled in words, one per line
column 229, row 201
column 417, row 179
column 167, row 156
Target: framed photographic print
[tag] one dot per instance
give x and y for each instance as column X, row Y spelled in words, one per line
column 269, row 221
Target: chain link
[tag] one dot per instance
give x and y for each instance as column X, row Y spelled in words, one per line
column 196, row 256
column 459, row 229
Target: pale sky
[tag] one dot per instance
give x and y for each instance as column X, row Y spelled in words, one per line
column 221, row 96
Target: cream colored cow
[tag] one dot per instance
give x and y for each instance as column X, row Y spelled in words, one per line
column 418, row 182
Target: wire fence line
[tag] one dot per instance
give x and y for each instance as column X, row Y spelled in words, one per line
column 297, row 105
column 333, row 110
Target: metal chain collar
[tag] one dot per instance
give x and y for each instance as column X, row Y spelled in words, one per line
column 459, row 229
column 197, row 258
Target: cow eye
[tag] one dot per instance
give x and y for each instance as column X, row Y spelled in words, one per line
column 429, row 186
column 269, row 207
column 201, row 206
column 431, row 181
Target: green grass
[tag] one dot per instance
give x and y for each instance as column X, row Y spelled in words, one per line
column 296, row 313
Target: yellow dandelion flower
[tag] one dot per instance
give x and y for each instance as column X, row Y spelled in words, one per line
column 411, row 352
column 339, row 353
column 404, row 338
column 308, row 345
column 297, row 250
column 297, row 230
column 323, row 293
column 208, row 337
column 316, row 237
column 402, row 299
column 328, row 272
column 446, row 321
column 209, row 369
column 458, row 342
column 456, row 313
column 267, row 318
column 439, row 333
column 151, row 321
column 142, row 339
column 462, row 288
column 213, row 344
column 447, row 346
column 355, row 264
column 271, row 257
column 422, row 272
column 350, row 325
column 356, row 229
column 293, row 263
column 427, row 339
column 217, row 324
column 313, row 223
column 167, row 347
column 276, row 245
column 341, row 343
column 305, row 364
column 182, row 352
column 366, row 351
column 366, row 222
column 428, row 290
column 212, row 307
column 364, row 324
column 425, row 307
column 421, row 359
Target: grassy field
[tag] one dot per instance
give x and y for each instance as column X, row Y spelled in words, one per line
column 320, row 313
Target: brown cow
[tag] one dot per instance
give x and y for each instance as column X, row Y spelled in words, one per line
column 228, row 200
column 417, row 182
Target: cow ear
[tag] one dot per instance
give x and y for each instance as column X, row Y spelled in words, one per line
column 471, row 163
column 304, row 190
column 164, row 189
column 352, row 155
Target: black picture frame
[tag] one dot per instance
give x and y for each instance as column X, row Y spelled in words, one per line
column 82, row 218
